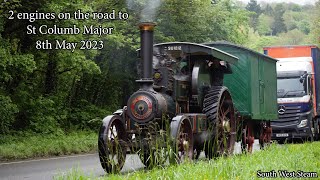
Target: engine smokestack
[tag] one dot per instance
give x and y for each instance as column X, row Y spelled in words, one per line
column 146, row 35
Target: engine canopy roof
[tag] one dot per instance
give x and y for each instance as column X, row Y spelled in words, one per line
column 192, row 49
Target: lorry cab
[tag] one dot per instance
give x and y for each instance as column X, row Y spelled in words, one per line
column 294, row 99
column 294, row 81
column 297, row 92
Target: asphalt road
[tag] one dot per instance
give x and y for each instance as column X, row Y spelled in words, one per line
column 87, row 164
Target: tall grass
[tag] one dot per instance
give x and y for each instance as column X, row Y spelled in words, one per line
column 290, row 157
column 25, row 145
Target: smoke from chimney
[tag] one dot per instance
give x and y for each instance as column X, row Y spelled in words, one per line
column 148, row 11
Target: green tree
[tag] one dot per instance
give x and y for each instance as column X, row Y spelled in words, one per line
column 255, row 8
column 290, row 20
column 278, row 25
column 207, row 22
column 315, row 27
column 293, row 37
column 268, row 10
column 265, row 24
column 304, row 26
column 257, row 42
column 39, row 80
column 294, row 7
column 297, row 20
column 8, row 111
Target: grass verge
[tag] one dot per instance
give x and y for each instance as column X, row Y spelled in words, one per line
column 25, row 146
column 290, row 157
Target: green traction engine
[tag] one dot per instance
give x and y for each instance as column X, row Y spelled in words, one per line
column 181, row 108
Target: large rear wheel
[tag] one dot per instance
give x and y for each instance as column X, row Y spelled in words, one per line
column 219, row 109
column 112, row 144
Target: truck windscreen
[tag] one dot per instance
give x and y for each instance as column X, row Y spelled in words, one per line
column 290, row 87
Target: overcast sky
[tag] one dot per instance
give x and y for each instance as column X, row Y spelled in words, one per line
column 294, row 1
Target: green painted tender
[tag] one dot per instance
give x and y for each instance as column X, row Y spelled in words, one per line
column 252, row 83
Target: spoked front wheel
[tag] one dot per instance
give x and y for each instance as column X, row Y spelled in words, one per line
column 112, row 144
column 182, row 139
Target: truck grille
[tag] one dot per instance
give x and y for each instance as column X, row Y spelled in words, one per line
column 289, row 117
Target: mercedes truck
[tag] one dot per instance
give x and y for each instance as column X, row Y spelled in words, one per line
column 298, row 83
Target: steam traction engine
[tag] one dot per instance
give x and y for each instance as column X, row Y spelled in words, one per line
column 180, row 109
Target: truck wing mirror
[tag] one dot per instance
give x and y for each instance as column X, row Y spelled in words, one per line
column 301, row 79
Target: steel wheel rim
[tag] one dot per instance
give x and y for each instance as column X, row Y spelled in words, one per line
column 115, row 146
column 185, row 143
column 225, row 126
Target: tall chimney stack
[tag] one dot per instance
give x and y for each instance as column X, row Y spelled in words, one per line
column 146, row 35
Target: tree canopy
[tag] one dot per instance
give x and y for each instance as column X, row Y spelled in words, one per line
column 256, row 10
column 284, row 24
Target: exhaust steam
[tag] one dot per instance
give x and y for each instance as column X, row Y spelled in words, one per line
column 147, row 9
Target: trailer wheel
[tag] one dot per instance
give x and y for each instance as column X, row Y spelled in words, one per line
column 265, row 134
column 112, row 144
column 219, row 109
column 182, row 140
column 247, row 136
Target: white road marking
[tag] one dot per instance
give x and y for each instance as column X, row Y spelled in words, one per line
column 56, row 158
